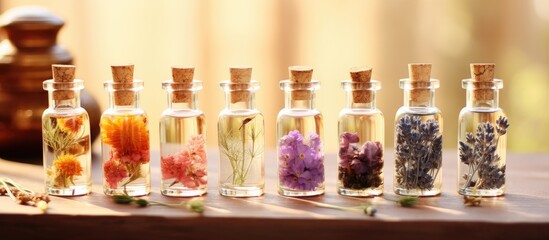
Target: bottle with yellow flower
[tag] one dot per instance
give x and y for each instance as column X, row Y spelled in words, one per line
column 66, row 136
column 125, row 137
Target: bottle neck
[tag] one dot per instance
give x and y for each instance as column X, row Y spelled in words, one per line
column 482, row 94
column 239, row 96
column 354, row 103
column 239, row 100
column 473, row 99
column 64, row 103
column 124, row 99
column 124, row 95
column 419, row 98
column 307, row 102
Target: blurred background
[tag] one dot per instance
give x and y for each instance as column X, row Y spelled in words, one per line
column 330, row 36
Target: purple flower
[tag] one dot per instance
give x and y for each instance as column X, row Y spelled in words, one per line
column 359, row 167
column 301, row 164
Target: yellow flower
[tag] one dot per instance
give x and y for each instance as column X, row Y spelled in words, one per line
column 70, row 124
column 67, row 166
column 127, row 134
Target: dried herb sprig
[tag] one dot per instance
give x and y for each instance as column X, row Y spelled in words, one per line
column 241, row 153
column 472, row 201
column 22, row 195
column 418, row 152
column 479, row 152
column 193, row 205
column 370, row 209
column 407, row 201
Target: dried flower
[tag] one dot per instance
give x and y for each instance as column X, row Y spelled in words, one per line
column 479, row 152
column 418, row 153
column 114, row 172
column 301, row 164
column 188, row 167
column 359, row 167
column 70, row 124
column 61, row 135
column 22, row 195
column 65, row 167
column 128, row 136
column 194, row 204
column 472, row 201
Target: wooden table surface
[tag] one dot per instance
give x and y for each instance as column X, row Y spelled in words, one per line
column 522, row 213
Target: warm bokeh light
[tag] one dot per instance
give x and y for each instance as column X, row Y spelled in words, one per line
column 330, row 36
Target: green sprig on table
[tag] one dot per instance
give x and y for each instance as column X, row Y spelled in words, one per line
column 194, row 204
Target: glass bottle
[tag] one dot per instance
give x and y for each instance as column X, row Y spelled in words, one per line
column 183, row 160
column 418, row 136
column 299, row 132
column 125, row 147
column 66, row 136
column 482, row 128
column 361, row 137
column 241, row 137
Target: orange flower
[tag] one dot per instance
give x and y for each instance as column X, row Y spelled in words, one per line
column 67, row 165
column 70, row 124
column 127, row 135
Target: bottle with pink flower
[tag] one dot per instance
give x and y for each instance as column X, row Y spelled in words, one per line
column 125, row 148
column 241, row 138
column 299, row 133
column 183, row 161
column 66, row 136
column 361, row 134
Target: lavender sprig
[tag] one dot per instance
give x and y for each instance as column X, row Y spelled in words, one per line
column 479, row 152
column 418, row 152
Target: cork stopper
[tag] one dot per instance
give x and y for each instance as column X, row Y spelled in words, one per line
column 301, row 74
column 123, row 74
column 420, row 75
column 483, row 76
column 63, row 74
column 361, row 75
column 182, row 75
column 240, row 75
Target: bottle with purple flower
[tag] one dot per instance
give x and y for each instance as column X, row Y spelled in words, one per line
column 361, row 135
column 418, row 136
column 299, row 133
column 482, row 129
column 183, row 161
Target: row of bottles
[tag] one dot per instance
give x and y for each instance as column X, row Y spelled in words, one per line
column 300, row 156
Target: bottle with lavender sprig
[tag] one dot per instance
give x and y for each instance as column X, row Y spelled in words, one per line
column 299, row 133
column 482, row 129
column 361, row 134
column 418, row 136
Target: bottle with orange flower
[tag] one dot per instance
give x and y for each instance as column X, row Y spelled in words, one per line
column 240, row 129
column 183, row 160
column 66, row 136
column 125, row 147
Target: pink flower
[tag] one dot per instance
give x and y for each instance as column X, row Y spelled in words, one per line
column 114, row 172
column 135, row 157
column 188, row 167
